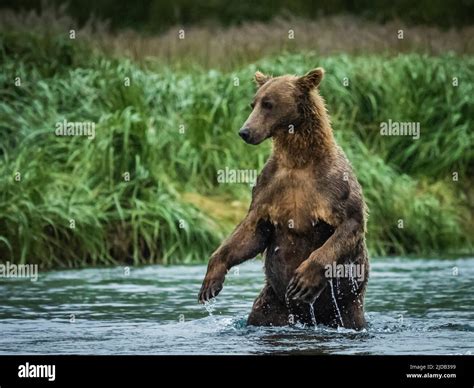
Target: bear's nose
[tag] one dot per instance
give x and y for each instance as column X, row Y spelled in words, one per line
column 244, row 133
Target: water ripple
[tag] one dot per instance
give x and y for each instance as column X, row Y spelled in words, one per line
column 414, row 306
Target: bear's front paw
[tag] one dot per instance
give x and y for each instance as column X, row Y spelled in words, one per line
column 212, row 285
column 307, row 283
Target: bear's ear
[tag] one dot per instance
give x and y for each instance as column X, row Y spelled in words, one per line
column 312, row 79
column 261, row 78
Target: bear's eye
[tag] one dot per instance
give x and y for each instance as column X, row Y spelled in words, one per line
column 267, row 105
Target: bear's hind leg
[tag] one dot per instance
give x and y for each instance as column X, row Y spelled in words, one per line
column 268, row 310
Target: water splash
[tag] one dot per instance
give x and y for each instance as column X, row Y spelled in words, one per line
column 313, row 316
column 354, row 285
column 291, row 319
column 210, row 306
column 335, row 302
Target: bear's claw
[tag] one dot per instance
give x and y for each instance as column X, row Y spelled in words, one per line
column 210, row 289
column 298, row 290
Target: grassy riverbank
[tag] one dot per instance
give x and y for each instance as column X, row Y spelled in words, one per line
column 67, row 201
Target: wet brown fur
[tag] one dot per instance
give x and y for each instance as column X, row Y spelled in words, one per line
column 307, row 211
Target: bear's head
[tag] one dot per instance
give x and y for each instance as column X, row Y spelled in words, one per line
column 280, row 105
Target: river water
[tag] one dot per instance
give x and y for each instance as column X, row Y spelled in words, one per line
column 413, row 306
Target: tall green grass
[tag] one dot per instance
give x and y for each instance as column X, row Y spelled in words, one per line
column 139, row 131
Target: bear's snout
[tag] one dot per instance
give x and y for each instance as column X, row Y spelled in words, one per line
column 245, row 134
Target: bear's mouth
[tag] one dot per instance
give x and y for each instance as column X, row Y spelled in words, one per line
column 253, row 142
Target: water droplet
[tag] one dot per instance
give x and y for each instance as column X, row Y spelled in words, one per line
column 313, row 316
column 335, row 302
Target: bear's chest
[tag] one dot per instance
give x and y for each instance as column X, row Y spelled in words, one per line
column 293, row 199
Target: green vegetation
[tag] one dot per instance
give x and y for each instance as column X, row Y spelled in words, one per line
column 163, row 213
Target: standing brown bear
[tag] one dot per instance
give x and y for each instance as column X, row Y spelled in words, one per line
column 307, row 214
